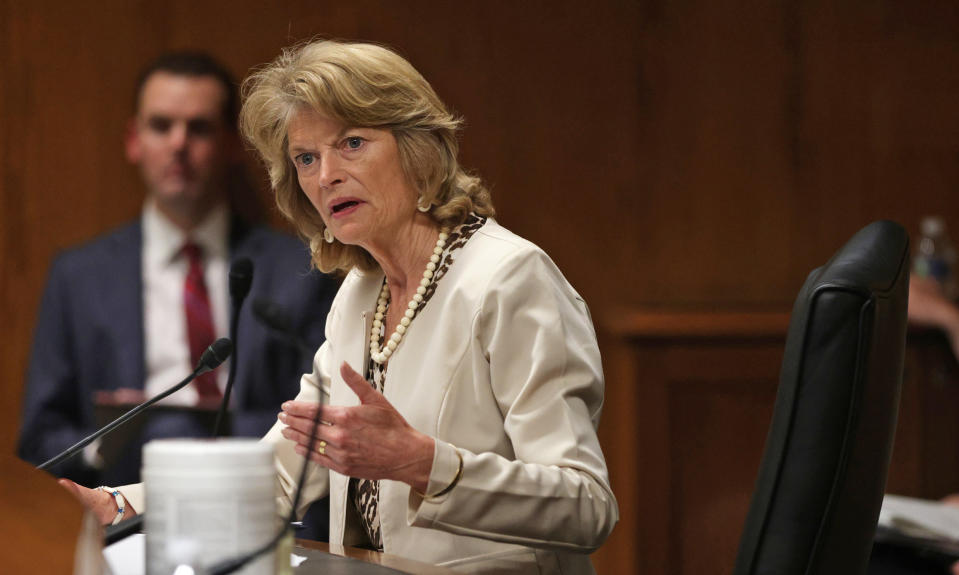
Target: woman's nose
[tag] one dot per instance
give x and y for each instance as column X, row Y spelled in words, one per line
column 331, row 172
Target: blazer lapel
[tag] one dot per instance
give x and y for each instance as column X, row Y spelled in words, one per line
column 353, row 338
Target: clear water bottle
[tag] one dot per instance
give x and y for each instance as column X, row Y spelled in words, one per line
column 935, row 255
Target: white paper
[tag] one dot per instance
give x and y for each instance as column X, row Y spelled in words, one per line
column 127, row 556
column 920, row 517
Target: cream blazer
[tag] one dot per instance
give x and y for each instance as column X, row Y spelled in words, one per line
column 502, row 365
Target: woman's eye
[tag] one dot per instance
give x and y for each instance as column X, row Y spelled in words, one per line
column 354, row 142
column 304, row 159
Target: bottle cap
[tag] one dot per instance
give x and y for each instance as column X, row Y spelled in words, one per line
column 932, row 226
column 185, row 554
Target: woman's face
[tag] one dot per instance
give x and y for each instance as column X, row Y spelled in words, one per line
column 353, row 177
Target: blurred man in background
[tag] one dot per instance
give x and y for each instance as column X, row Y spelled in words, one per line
column 126, row 316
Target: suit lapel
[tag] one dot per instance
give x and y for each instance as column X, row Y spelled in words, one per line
column 125, row 300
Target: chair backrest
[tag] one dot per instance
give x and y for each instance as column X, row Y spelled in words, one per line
column 823, row 472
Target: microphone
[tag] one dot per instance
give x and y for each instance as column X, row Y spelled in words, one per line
column 122, row 530
column 211, row 358
column 241, row 278
column 276, row 318
column 227, row 566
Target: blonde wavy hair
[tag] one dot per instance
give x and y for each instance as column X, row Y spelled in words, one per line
column 364, row 86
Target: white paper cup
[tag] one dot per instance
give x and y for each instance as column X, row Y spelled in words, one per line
column 219, row 494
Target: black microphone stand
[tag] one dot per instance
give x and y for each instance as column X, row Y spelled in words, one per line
column 241, row 278
column 277, row 320
column 227, row 566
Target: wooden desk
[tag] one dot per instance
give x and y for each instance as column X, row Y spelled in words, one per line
column 689, row 398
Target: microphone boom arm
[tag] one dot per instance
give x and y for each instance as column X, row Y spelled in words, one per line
column 212, row 357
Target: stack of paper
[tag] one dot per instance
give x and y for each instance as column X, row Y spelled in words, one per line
column 920, row 518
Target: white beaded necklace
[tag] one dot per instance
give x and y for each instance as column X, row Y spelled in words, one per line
column 378, row 354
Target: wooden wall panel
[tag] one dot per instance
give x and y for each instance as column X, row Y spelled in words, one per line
column 684, row 436
column 9, row 380
column 716, row 179
column 695, row 393
column 63, row 175
column 877, row 138
column 926, row 451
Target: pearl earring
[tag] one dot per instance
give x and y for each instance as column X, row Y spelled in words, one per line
column 328, row 235
column 420, row 205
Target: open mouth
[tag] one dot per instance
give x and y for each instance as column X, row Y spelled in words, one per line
column 344, row 205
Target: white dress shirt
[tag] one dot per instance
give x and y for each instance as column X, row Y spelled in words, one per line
column 164, row 272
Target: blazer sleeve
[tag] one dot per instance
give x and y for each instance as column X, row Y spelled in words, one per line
column 53, row 416
column 545, row 372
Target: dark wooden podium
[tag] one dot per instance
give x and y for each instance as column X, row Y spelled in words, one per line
column 40, row 522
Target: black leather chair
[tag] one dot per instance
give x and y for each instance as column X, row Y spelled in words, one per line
column 823, row 472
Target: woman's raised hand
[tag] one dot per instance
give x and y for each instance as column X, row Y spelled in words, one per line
column 368, row 441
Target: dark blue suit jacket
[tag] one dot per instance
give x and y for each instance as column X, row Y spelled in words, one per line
column 89, row 336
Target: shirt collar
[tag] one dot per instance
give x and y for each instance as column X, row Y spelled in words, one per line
column 165, row 239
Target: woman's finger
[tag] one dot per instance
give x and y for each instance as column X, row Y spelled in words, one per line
column 298, row 436
column 304, row 409
column 326, row 458
column 305, row 426
column 362, row 388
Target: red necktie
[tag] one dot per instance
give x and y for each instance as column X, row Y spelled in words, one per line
column 199, row 322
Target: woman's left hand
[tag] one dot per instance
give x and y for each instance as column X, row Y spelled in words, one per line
column 101, row 503
column 368, row 441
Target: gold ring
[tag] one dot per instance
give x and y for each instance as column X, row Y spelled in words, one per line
column 322, row 448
